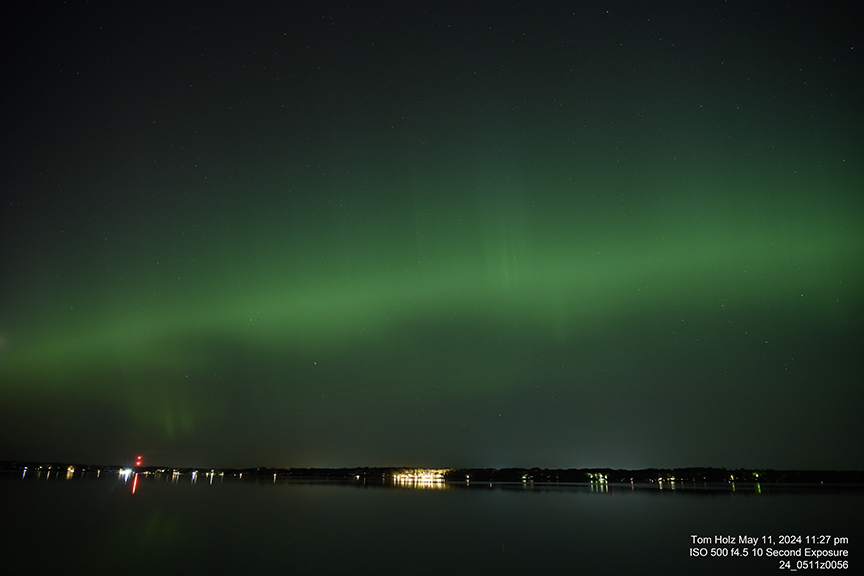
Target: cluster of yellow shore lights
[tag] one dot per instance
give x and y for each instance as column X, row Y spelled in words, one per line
column 420, row 477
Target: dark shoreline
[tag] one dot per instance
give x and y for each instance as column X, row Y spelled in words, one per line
column 540, row 475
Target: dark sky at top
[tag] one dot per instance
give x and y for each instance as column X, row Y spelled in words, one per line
column 562, row 234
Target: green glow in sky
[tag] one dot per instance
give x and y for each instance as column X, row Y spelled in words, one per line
column 589, row 248
column 555, row 280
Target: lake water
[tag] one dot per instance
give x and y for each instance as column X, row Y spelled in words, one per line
column 91, row 525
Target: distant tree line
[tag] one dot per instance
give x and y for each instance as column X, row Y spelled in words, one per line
column 379, row 475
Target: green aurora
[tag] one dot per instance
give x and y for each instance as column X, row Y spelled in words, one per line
column 475, row 274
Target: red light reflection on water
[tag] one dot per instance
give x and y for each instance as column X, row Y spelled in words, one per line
column 135, row 483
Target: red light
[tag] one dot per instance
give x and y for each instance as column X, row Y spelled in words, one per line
column 135, row 483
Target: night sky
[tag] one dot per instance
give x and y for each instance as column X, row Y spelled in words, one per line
column 565, row 234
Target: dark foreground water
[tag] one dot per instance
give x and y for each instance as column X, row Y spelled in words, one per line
column 97, row 525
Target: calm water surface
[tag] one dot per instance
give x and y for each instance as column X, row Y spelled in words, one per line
column 95, row 525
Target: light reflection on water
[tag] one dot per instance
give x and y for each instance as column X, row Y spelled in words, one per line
column 93, row 525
